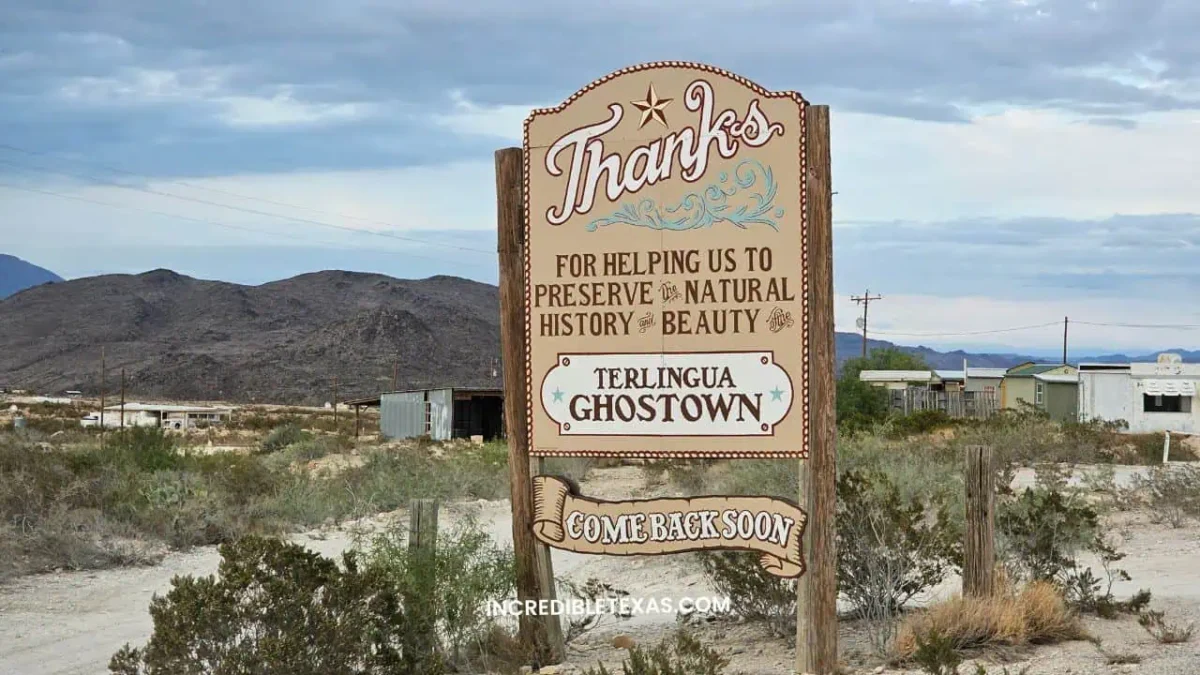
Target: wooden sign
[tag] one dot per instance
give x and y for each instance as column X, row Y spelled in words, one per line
column 665, row 268
column 772, row 527
column 665, row 248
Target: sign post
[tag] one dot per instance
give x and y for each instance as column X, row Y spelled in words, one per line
column 677, row 303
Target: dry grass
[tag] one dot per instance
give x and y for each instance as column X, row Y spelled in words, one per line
column 1037, row 614
column 1166, row 632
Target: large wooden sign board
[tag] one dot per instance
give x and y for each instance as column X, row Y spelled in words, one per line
column 665, row 270
column 666, row 302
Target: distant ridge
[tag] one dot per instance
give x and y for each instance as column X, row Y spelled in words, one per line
column 16, row 275
column 284, row 341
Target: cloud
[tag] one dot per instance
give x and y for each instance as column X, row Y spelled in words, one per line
column 220, row 66
column 1116, row 122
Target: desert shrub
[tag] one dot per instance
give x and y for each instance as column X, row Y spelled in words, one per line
column 276, row 608
column 1038, row 614
column 282, row 436
column 1166, row 632
column 1043, row 530
column 920, row 422
column 1171, row 492
column 313, row 448
column 935, row 654
column 754, row 594
column 890, row 549
column 765, row 477
column 450, row 590
column 594, row 592
column 680, row 654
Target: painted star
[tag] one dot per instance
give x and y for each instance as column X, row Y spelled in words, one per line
column 558, row 395
column 652, row 107
column 776, row 394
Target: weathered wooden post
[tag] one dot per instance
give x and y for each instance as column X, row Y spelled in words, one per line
column 979, row 550
column 422, row 550
column 816, row 627
column 535, row 574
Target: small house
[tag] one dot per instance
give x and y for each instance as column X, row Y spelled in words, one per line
column 898, row 379
column 984, row 381
column 1149, row 397
column 1057, row 394
column 162, row 415
column 1019, row 385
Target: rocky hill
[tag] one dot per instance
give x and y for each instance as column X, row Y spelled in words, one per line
column 285, row 341
column 17, row 275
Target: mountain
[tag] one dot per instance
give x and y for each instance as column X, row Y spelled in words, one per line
column 285, row 341
column 849, row 345
column 16, row 275
column 1186, row 355
column 182, row 338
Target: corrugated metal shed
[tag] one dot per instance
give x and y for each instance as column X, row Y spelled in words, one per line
column 402, row 414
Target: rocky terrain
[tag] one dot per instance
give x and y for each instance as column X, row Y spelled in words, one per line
column 183, row 338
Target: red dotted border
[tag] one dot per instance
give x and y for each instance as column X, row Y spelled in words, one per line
column 802, row 106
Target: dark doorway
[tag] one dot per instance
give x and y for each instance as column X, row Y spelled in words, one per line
column 478, row 415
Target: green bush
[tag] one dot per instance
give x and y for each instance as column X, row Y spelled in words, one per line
column 890, row 549
column 451, row 590
column 918, row 423
column 1042, row 531
column 754, row 594
column 1171, row 492
column 279, row 609
column 936, row 654
column 681, row 654
column 283, row 436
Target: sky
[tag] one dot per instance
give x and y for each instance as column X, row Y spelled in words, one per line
column 998, row 164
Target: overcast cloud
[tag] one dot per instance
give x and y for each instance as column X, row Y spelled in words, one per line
column 995, row 160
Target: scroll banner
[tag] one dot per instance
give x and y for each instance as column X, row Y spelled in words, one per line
column 773, row 527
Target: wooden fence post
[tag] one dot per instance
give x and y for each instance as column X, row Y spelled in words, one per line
column 816, row 601
column 418, row 606
column 535, row 576
column 979, row 550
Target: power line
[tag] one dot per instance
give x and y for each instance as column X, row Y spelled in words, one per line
column 257, row 212
column 243, row 228
column 1169, row 326
column 977, row 332
column 193, row 186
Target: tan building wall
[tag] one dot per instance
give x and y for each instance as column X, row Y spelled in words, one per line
column 1016, row 388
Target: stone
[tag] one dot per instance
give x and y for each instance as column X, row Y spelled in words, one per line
column 624, row 642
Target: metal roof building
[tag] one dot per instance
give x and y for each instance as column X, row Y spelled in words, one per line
column 439, row 413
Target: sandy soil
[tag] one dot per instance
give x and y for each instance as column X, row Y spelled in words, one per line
column 71, row 623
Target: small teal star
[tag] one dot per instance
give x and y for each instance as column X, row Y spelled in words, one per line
column 776, row 394
column 558, row 395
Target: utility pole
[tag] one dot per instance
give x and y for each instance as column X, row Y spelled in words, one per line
column 865, row 301
column 122, row 400
column 1065, row 321
column 396, row 375
column 335, row 403
column 103, row 381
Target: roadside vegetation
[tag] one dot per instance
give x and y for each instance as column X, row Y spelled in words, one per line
column 67, row 502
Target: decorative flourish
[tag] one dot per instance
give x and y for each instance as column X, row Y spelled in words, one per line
column 702, row 209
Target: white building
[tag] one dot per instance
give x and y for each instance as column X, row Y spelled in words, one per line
column 167, row 416
column 1150, row 397
column 897, row 379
